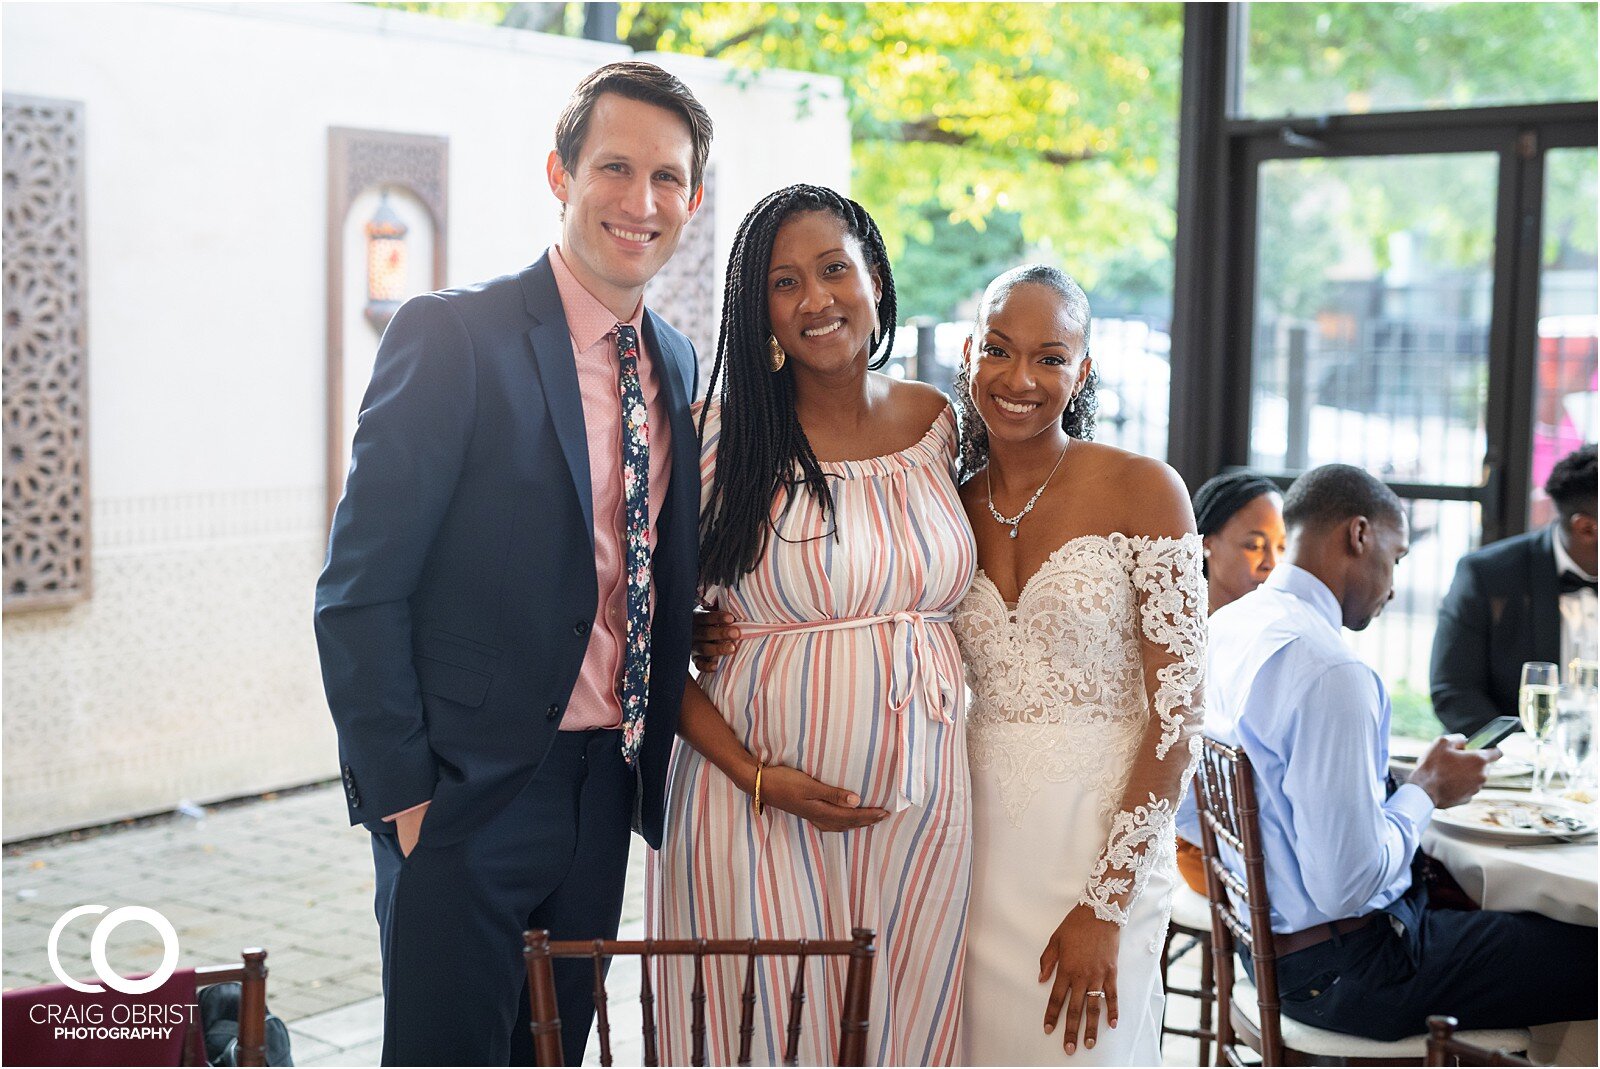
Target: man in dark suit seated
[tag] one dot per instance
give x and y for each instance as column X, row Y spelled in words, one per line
column 1528, row 598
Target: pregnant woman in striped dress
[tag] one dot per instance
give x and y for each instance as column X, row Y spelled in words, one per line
column 832, row 531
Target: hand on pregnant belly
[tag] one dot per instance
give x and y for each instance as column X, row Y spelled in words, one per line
column 829, row 808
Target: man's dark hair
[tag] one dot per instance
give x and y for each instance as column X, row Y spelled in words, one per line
column 1572, row 482
column 634, row 80
column 762, row 442
column 1334, row 493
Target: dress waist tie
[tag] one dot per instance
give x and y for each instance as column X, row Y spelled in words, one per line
column 913, row 678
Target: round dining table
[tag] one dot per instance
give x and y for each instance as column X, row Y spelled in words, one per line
column 1557, row 879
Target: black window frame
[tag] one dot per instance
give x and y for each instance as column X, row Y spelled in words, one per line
column 1219, row 164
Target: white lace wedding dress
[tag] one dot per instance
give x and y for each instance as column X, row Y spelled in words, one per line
column 1082, row 734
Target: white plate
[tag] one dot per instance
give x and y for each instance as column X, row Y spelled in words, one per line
column 1508, row 768
column 1502, row 771
column 1490, row 815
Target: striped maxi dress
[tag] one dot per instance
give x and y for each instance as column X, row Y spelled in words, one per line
column 848, row 670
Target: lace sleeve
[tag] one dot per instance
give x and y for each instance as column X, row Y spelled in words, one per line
column 1170, row 590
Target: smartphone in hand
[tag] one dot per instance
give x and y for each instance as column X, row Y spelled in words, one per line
column 1494, row 732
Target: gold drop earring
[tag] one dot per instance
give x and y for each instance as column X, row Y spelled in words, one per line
column 775, row 352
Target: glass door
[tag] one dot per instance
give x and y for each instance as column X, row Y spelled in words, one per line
column 1566, row 408
column 1370, row 346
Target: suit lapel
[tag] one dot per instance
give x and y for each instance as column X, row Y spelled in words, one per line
column 676, row 375
column 1545, row 591
column 558, row 378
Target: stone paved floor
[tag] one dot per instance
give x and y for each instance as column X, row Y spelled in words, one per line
column 284, row 872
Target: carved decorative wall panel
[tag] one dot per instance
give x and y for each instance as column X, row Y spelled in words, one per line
column 46, row 508
column 686, row 291
column 359, row 160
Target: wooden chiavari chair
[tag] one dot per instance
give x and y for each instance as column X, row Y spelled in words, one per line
column 1229, row 817
column 539, row 952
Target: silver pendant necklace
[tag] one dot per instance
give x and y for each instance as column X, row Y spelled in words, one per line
column 1012, row 521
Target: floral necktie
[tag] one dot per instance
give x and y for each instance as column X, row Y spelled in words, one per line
column 635, row 686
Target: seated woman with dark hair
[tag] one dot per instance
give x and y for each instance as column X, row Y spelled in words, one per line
column 821, row 780
column 1240, row 519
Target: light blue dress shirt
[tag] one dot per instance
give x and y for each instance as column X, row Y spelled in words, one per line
column 1314, row 720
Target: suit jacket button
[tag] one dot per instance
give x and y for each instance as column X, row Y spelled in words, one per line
column 552, row 712
column 355, row 800
column 580, row 628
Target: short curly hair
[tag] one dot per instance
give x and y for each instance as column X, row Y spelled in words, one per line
column 1335, row 493
column 1572, row 482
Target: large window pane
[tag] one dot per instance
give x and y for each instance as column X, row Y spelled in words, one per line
column 1399, row 642
column 1331, row 59
column 1566, row 408
column 1372, row 315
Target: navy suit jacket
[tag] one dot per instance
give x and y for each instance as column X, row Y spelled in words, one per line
column 454, row 609
column 1503, row 608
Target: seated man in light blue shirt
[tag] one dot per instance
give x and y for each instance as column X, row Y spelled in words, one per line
column 1359, row 951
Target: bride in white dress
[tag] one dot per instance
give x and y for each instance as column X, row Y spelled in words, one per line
column 1084, row 639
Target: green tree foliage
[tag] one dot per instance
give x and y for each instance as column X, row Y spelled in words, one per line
column 987, row 132
column 1059, row 117
column 1315, row 59
column 955, row 261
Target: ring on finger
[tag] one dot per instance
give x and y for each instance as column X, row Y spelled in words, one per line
column 1094, row 994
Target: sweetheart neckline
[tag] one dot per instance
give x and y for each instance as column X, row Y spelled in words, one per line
column 1049, row 560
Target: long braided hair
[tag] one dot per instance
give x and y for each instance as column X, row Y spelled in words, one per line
column 1079, row 418
column 762, row 442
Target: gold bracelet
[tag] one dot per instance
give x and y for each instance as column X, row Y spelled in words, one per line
column 756, row 805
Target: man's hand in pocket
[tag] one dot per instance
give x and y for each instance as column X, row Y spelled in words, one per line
column 409, row 826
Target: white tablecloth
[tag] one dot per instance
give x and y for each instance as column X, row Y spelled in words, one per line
column 1559, row 881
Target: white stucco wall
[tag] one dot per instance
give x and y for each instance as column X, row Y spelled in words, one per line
column 192, row 673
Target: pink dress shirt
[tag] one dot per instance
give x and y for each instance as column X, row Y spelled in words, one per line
column 594, row 702
column 592, row 327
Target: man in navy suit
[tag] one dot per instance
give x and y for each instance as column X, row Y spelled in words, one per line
column 510, row 580
column 1527, row 598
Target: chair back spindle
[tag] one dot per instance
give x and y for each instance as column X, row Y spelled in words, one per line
column 546, row 1019
column 647, row 1006
column 747, row 1007
column 857, row 999
column 697, row 999
column 602, row 1019
column 251, row 976
column 253, row 1008
column 797, row 1001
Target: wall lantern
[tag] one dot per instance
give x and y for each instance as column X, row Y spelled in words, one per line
column 386, row 264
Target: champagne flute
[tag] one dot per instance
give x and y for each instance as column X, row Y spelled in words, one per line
column 1537, row 706
column 1580, row 696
